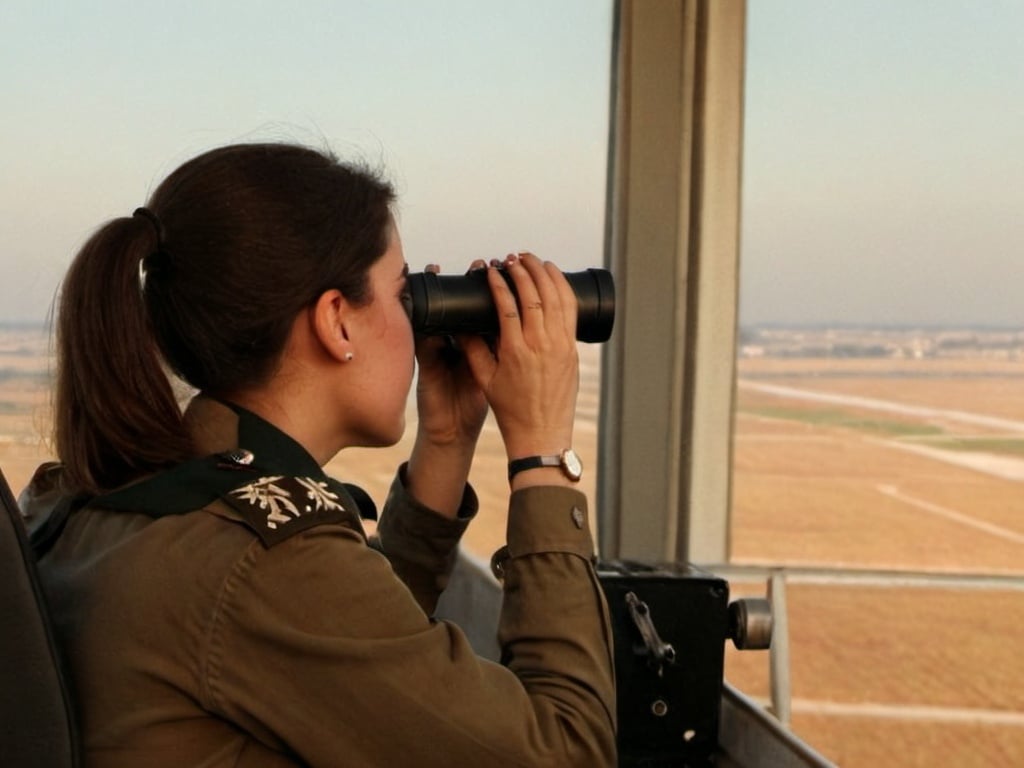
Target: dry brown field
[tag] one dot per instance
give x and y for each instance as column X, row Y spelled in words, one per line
column 898, row 675
column 881, row 676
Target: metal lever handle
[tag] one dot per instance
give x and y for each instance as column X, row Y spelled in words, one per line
column 658, row 651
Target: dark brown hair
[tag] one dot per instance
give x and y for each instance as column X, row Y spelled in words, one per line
column 244, row 238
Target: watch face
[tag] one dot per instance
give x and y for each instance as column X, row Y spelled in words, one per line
column 572, row 465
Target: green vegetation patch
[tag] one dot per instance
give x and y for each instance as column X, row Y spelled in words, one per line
column 830, row 417
column 39, row 377
column 7, row 408
column 1013, row 446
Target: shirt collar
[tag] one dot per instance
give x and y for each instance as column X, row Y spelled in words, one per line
column 234, row 447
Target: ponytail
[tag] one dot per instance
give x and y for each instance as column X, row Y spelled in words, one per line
column 116, row 417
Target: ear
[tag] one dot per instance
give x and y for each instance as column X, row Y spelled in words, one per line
column 331, row 313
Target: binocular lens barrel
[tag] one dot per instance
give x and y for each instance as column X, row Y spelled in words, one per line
column 453, row 304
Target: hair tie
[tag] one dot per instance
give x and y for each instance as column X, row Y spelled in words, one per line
column 158, row 257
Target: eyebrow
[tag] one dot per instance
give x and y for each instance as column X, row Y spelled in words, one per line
column 405, row 271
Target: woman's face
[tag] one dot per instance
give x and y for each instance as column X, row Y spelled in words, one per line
column 383, row 351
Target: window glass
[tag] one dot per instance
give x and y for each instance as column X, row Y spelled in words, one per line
column 490, row 117
column 879, row 430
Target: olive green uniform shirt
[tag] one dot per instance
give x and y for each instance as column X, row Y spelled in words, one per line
column 195, row 640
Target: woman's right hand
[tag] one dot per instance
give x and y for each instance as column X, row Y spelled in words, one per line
column 531, row 377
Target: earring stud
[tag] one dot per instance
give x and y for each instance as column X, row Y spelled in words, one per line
column 348, row 356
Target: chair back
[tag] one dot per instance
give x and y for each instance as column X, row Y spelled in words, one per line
column 37, row 724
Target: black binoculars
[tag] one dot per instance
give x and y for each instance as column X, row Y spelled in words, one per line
column 453, row 304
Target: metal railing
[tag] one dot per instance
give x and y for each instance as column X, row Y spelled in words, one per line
column 778, row 577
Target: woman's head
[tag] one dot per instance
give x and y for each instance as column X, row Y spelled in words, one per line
column 234, row 245
column 252, row 235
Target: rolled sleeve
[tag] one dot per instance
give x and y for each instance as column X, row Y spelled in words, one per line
column 549, row 519
column 421, row 543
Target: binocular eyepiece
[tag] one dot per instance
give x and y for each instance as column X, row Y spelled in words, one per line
column 453, row 304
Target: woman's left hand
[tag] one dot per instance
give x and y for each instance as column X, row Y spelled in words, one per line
column 452, row 410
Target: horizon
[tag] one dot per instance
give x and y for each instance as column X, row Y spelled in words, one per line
column 1018, row 328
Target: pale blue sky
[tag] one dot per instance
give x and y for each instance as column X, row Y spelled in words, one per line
column 884, row 172
column 490, row 116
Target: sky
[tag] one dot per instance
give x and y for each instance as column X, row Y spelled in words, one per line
column 491, row 120
column 884, row 162
column 883, row 166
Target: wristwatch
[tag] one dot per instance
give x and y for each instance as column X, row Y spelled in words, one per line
column 567, row 460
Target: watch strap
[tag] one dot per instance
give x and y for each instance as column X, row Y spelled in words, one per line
column 532, row 462
column 567, row 461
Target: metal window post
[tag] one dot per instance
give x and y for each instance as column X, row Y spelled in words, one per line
column 672, row 241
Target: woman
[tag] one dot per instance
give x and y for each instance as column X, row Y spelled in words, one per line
column 212, row 589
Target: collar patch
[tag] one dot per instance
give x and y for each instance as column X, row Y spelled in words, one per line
column 286, row 498
column 278, row 506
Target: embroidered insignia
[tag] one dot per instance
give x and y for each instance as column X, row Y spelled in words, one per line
column 276, row 507
column 321, row 496
column 281, row 504
column 270, row 497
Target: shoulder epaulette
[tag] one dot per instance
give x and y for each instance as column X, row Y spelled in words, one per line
column 277, row 507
